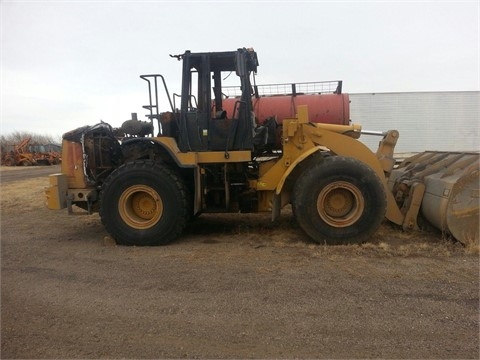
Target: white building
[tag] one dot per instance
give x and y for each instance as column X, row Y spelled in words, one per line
column 439, row 121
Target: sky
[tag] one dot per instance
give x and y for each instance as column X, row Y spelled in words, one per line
column 65, row 64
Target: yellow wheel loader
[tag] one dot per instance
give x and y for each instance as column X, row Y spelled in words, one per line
column 148, row 179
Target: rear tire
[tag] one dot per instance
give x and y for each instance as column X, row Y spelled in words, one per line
column 9, row 161
column 339, row 200
column 144, row 203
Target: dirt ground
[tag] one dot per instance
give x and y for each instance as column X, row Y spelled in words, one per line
column 233, row 286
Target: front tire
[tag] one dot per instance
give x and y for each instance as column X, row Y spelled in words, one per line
column 339, row 200
column 144, row 203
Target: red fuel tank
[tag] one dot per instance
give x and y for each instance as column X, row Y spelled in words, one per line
column 329, row 108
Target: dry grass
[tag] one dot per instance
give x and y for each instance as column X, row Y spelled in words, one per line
column 472, row 245
column 11, row 168
column 24, row 195
column 5, row 169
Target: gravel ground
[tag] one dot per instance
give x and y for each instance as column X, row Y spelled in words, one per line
column 233, row 286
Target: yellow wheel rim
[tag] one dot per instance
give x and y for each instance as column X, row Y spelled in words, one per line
column 340, row 204
column 140, row 207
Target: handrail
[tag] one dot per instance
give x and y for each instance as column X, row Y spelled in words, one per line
column 151, row 106
column 316, row 87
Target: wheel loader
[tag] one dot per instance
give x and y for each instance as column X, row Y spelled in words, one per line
column 210, row 153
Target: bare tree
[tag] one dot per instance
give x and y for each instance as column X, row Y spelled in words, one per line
column 18, row 136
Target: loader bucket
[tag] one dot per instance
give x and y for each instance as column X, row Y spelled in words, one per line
column 451, row 198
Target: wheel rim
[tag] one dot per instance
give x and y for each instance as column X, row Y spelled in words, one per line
column 340, row 204
column 140, row 207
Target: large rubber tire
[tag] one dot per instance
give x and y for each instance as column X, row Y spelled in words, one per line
column 339, row 200
column 9, row 161
column 144, row 203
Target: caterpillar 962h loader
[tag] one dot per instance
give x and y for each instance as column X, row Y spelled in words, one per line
column 147, row 179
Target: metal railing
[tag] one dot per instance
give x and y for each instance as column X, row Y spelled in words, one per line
column 319, row 87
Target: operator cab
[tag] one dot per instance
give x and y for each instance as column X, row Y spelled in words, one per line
column 202, row 123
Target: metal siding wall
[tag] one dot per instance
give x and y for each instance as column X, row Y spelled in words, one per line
column 448, row 121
